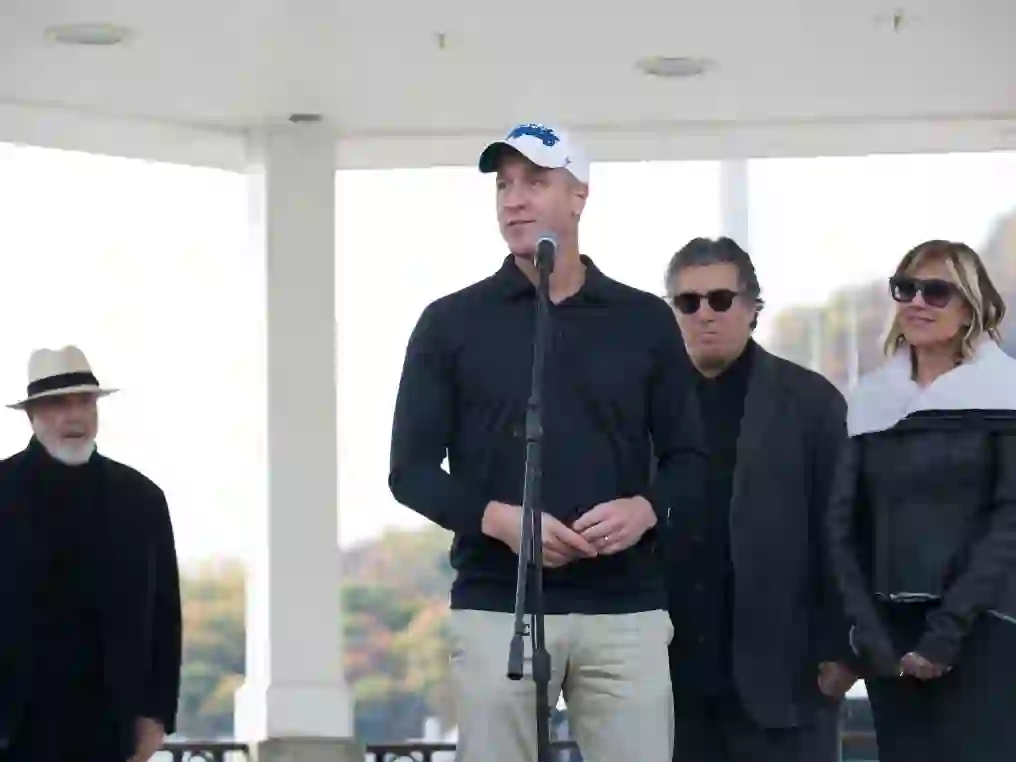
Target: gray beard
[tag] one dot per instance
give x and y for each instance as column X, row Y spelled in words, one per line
column 70, row 454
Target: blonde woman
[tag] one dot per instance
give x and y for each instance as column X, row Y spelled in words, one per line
column 922, row 525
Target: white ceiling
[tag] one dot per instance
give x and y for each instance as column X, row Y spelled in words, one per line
column 405, row 82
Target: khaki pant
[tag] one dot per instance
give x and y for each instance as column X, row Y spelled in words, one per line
column 612, row 669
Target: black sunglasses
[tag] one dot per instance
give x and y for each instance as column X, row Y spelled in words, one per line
column 935, row 291
column 720, row 300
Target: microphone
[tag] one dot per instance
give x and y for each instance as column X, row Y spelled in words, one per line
column 546, row 251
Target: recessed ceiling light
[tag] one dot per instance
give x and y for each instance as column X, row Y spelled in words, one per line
column 88, row 34
column 674, row 67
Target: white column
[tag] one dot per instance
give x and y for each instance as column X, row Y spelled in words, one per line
column 296, row 687
column 734, row 201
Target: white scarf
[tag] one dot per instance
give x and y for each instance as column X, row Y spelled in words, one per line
column 987, row 381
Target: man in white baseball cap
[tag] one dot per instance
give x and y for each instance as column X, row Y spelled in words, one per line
column 617, row 378
column 542, row 187
column 90, row 649
column 546, row 146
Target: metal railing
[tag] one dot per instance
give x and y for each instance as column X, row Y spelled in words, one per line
column 411, row 751
column 858, row 746
column 203, row 751
column 424, row 752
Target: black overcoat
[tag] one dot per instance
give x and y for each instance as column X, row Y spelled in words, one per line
column 139, row 610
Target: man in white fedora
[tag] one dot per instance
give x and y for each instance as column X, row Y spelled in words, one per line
column 90, row 645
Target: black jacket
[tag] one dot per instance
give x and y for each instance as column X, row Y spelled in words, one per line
column 140, row 611
column 787, row 614
column 926, row 511
column 616, row 376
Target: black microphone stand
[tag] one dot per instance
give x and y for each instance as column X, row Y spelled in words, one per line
column 530, row 574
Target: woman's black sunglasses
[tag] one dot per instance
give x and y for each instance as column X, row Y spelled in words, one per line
column 935, row 291
column 719, row 300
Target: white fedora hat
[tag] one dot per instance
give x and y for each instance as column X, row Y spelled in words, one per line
column 52, row 372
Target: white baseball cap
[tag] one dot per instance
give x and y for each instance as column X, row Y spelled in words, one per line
column 544, row 145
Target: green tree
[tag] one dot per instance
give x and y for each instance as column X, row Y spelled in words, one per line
column 213, row 650
column 395, row 605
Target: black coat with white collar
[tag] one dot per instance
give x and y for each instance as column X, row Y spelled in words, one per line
column 926, row 511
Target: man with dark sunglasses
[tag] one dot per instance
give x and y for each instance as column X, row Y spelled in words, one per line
column 759, row 657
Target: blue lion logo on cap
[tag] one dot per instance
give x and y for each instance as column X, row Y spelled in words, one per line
column 545, row 135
